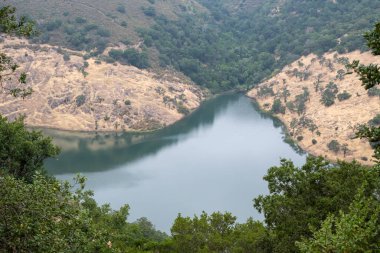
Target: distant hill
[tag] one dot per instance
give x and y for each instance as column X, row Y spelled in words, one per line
column 85, row 24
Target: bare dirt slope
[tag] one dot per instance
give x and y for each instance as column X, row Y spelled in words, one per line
column 69, row 95
column 320, row 129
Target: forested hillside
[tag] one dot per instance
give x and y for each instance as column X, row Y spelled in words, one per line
column 219, row 44
column 90, row 24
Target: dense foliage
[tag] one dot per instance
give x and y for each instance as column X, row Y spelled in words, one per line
column 300, row 198
column 231, row 49
column 22, row 152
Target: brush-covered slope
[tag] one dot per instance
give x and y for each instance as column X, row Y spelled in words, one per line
column 321, row 106
column 89, row 24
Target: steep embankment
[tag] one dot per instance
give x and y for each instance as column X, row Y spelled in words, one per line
column 321, row 106
column 92, row 95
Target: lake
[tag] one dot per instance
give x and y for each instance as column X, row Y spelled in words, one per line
column 213, row 160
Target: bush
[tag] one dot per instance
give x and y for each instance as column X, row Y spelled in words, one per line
column 299, row 138
column 131, row 56
column 66, row 57
column 277, row 107
column 265, row 91
column 329, row 94
column 182, row 109
column 343, row 96
column 375, row 121
column 104, row 33
column 53, row 25
column 80, row 100
column 150, row 11
column 121, row 8
column 334, row 146
column 80, row 20
column 374, row 92
column 127, row 102
column 314, row 141
column 124, row 24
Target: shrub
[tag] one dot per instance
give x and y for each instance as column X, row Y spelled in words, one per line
column 374, row 92
column 375, row 121
column 329, row 94
column 66, row 57
column 299, row 138
column 90, row 27
column 53, row 25
column 182, row 109
column 80, row 100
column 265, row 91
column 80, row 20
column 127, row 102
column 277, row 107
column 131, row 56
column 314, row 141
column 334, row 146
column 121, row 8
column 150, row 11
column 103, row 32
column 343, row 96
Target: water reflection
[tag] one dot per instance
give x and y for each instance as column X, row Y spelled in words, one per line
column 106, row 151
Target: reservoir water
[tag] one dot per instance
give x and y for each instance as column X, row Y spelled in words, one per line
column 213, row 160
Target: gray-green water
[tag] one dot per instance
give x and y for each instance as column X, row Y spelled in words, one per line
column 214, row 160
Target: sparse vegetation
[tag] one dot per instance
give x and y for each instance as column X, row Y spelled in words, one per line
column 80, row 100
column 329, row 94
column 334, row 146
column 277, row 107
column 343, row 96
column 127, row 102
column 265, row 91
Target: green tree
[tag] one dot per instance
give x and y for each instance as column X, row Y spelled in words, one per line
column 277, row 107
column 356, row 230
column 23, row 152
column 303, row 197
column 218, row 233
column 45, row 216
column 370, row 77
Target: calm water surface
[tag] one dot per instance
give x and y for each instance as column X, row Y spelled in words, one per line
column 214, row 160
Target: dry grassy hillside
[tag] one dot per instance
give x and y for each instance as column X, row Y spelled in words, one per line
column 304, row 92
column 75, row 95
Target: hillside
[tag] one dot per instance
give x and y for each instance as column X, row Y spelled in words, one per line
column 221, row 45
column 321, row 106
column 74, row 94
column 89, row 24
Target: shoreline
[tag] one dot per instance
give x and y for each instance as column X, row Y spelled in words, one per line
column 206, row 99
column 320, row 129
column 295, row 142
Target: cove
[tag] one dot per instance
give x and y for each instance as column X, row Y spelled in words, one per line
column 213, row 160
